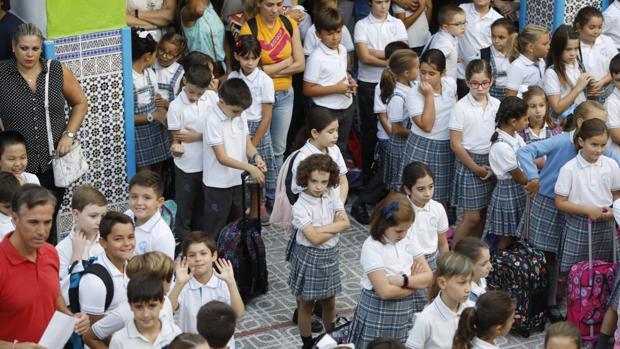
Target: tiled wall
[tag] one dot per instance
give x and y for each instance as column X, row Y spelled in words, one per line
column 540, row 12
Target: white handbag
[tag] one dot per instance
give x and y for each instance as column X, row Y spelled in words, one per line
column 70, row 167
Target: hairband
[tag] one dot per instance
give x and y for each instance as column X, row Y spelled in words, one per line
column 388, row 210
column 568, row 112
column 238, row 43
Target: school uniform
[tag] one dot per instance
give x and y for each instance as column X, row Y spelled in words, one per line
column 588, row 184
column 153, row 235
column 29, row 178
column 397, row 113
column 309, row 149
column 553, row 86
column 596, row 58
column 529, row 136
column 130, row 338
column 434, row 328
column 478, row 343
column 477, row 125
column 312, row 41
column 152, row 139
column 508, row 200
column 6, row 225
column 430, row 221
column 499, row 69
column 418, row 32
column 477, row 35
column 314, row 269
column 523, row 73
column 477, row 290
column 375, row 317
column 611, row 25
column 433, row 148
column 612, row 105
column 93, row 292
column 449, row 45
column 382, row 148
column 169, row 80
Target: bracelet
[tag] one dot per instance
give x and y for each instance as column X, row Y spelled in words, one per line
column 405, row 281
column 149, row 117
column 136, row 13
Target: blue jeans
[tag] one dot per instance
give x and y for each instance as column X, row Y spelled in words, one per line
column 280, row 121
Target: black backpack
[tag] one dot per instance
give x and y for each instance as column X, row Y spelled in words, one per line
column 254, row 26
column 74, row 283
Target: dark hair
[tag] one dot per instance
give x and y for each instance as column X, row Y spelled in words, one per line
column 198, row 237
column 434, row 57
column 86, row 194
column 400, row 211
column 9, row 185
column 319, row 118
column 198, row 75
column 493, row 308
column 415, row 171
column 148, row 179
column 144, row 287
column 447, row 12
column 564, row 329
column 328, row 19
column 318, row 162
column 32, row 195
column 559, row 41
column 176, row 39
column 399, row 62
column 247, row 45
column 533, row 91
column 510, row 108
column 614, row 65
column 235, row 92
column 393, row 47
column 478, row 66
column 585, row 15
column 8, row 138
column 195, row 58
column 141, row 46
column 111, row 219
column 450, row 264
column 386, row 343
column 589, row 128
column 505, row 23
column 470, row 248
column 187, row 341
column 320, row 4
column 216, row 323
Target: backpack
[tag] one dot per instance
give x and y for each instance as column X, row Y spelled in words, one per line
column 339, row 334
column 282, row 212
column 254, row 26
column 90, row 267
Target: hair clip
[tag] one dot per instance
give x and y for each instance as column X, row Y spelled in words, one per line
column 238, row 43
column 143, row 34
column 568, row 112
column 388, row 210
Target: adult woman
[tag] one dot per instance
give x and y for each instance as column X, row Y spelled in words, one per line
column 154, row 15
column 22, row 95
column 282, row 56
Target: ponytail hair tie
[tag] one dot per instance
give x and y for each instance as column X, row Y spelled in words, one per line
column 388, row 210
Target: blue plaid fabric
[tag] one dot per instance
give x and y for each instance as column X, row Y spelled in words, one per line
column 574, row 247
column 614, row 300
column 546, row 224
column 468, row 190
column 498, row 92
column 152, row 139
column 506, row 208
column 392, row 174
column 169, row 87
column 265, row 150
column 314, row 272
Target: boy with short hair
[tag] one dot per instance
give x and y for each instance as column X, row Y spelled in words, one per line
column 145, row 295
column 146, row 190
column 451, row 27
column 14, row 157
column 8, row 186
column 612, row 104
column 216, row 323
column 227, row 149
column 186, row 117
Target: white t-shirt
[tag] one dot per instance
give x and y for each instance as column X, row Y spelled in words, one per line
column 612, row 104
column 327, row 67
column 380, row 107
column 154, row 235
column 312, row 41
column 418, row 32
column 394, row 258
column 29, row 178
column 309, row 210
column 377, row 34
column 478, row 343
column 553, row 86
column 141, row 81
column 477, row 35
column 6, row 225
column 309, row 149
column 523, row 72
column 444, row 105
column 262, row 89
column 93, row 292
column 449, row 45
column 501, row 65
column 475, row 122
column 589, row 184
column 611, row 25
column 397, row 107
column 130, row 338
column 165, row 76
column 596, row 58
column 232, row 133
column 430, row 221
column 476, row 292
column 503, row 154
column 435, row 326
column 183, row 114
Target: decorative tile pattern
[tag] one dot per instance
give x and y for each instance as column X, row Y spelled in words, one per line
column 539, row 12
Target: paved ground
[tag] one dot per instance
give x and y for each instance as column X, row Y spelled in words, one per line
column 267, row 320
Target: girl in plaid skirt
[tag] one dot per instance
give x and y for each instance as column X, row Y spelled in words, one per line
column 480, row 255
column 541, row 125
column 502, row 32
column 393, row 269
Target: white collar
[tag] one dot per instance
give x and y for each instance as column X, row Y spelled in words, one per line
column 506, row 136
column 583, row 163
column 445, row 312
column 212, row 283
column 150, row 223
column 165, row 332
column 445, row 33
column 251, row 77
column 315, row 150
column 475, row 103
column 112, row 269
column 313, row 199
column 425, row 208
column 496, row 53
column 479, row 343
column 4, row 218
column 329, row 51
column 374, row 19
column 220, row 113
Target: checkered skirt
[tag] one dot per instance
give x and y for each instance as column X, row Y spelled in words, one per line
column 392, row 173
column 574, row 247
column 265, row 150
column 435, row 154
column 506, row 208
column 496, row 91
column 420, row 297
column 545, row 224
column 152, row 141
column 314, row 272
column 468, row 190
column 375, row 318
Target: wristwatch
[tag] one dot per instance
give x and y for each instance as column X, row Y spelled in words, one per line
column 149, row 117
column 69, row 134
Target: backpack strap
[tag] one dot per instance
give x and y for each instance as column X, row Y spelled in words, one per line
column 285, row 21
column 485, row 54
column 288, row 180
column 287, row 24
column 102, row 273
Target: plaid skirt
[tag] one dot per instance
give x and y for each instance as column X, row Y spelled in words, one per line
column 420, row 297
column 265, row 150
column 435, row 154
column 574, row 247
column 392, row 177
column 152, row 144
column 314, row 272
column 469, row 192
column 375, row 318
column 506, row 208
column 546, row 224
column 381, row 154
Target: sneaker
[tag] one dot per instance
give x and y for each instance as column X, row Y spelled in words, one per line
column 317, row 326
column 359, row 212
column 264, row 216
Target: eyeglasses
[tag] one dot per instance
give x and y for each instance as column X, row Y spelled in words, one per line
column 476, row 84
column 166, row 54
column 458, row 24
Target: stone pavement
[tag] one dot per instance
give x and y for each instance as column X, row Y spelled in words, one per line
column 267, row 320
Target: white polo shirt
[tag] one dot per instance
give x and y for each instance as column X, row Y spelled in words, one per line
column 6, row 225
column 596, row 58
column 553, row 86
column 310, row 210
column 418, row 32
column 154, row 235
column 312, row 41
column 378, row 108
column 444, row 105
column 503, row 154
column 194, row 295
column 501, row 65
column 29, row 178
column 397, row 104
column 232, row 133
column 141, row 81
column 164, row 76
column 589, row 184
column 93, row 292
column 612, row 104
column 309, row 149
column 523, row 72
column 130, row 338
column 477, row 290
column 449, row 45
column 377, row 34
column 435, row 326
column 477, row 35
column 611, row 25
column 430, row 221
column 262, row 89
column 475, row 122
column 393, row 258
column 327, row 67
column 481, row 344
column 182, row 114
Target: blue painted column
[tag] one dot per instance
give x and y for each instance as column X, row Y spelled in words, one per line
column 130, row 134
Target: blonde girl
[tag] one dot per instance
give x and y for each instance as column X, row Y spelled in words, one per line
column 527, row 58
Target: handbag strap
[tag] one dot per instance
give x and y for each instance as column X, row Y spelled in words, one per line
column 50, row 139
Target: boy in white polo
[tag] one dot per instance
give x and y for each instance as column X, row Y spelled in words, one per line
column 227, row 149
column 452, row 25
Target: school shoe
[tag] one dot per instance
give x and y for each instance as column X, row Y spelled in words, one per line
column 358, row 211
column 317, row 326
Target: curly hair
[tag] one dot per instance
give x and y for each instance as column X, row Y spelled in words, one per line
column 318, row 162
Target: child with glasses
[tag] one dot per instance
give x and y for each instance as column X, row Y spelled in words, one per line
column 452, row 23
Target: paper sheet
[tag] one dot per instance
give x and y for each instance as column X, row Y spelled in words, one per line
column 58, row 331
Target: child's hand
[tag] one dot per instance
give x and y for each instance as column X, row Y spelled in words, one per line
column 79, row 243
column 484, row 172
column 214, row 84
column 226, row 272
column 189, row 135
column 343, row 87
column 340, row 216
column 532, row 187
column 607, row 214
column 426, row 89
column 595, row 213
column 82, row 324
column 460, row 59
column 160, row 116
column 183, row 272
column 352, row 84
column 297, row 15
column 260, row 163
column 161, row 102
column 595, row 88
column 417, row 268
column 177, row 150
column 257, row 174
column 583, row 81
